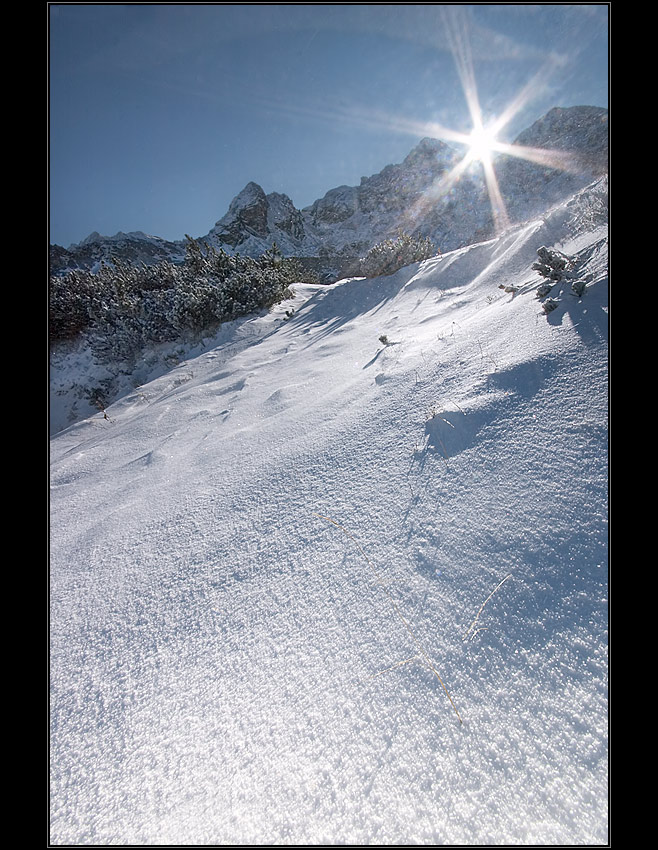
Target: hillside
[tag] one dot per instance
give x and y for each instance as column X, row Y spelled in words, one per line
column 228, row 665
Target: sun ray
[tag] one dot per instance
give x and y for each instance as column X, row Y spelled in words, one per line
column 537, row 85
column 498, row 208
column 482, row 140
column 550, row 158
column 456, row 26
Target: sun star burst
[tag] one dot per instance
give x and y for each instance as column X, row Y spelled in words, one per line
column 481, row 143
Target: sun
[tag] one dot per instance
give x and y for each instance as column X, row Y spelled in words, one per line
column 481, row 143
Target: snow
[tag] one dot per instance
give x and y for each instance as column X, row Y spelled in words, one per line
column 227, row 663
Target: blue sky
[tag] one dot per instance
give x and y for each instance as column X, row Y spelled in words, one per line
column 160, row 114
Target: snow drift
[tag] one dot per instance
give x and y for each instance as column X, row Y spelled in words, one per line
column 225, row 667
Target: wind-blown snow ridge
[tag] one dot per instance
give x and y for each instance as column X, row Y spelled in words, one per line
column 224, row 668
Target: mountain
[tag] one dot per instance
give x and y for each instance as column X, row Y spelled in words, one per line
column 337, row 229
column 254, row 220
column 340, row 576
column 348, row 220
column 578, row 137
column 134, row 247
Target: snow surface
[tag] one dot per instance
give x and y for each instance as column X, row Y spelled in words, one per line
column 216, row 645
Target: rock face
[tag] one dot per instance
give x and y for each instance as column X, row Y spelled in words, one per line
column 254, row 220
column 413, row 196
column 283, row 216
column 353, row 218
column 337, row 205
column 579, row 134
column 581, row 130
column 398, row 186
column 246, row 216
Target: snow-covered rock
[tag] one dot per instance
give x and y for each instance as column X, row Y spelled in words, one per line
column 255, row 221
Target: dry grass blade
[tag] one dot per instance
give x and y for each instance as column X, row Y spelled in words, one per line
column 394, row 605
column 395, row 666
column 500, row 583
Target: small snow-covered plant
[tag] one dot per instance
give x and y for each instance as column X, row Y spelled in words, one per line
column 388, row 256
column 549, row 305
column 552, row 264
column 272, row 256
column 477, row 617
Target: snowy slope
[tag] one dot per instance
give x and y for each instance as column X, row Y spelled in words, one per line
column 216, row 644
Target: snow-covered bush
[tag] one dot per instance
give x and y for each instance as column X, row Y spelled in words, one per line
column 578, row 287
column 69, row 299
column 392, row 254
column 549, row 305
column 544, row 289
column 552, row 264
column 123, row 308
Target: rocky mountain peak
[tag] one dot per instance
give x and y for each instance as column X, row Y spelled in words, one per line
column 94, row 236
column 428, row 150
column 251, row 195
column 246, row 216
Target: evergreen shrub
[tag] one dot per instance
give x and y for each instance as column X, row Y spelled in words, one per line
column 388, row 256
column 123, row 308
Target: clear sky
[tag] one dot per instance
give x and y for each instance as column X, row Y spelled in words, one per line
column 160, row 114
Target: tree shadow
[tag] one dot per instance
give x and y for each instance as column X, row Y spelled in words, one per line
column 328, row 311
column 588, row 313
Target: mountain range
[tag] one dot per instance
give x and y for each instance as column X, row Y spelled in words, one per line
column 335, row 230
